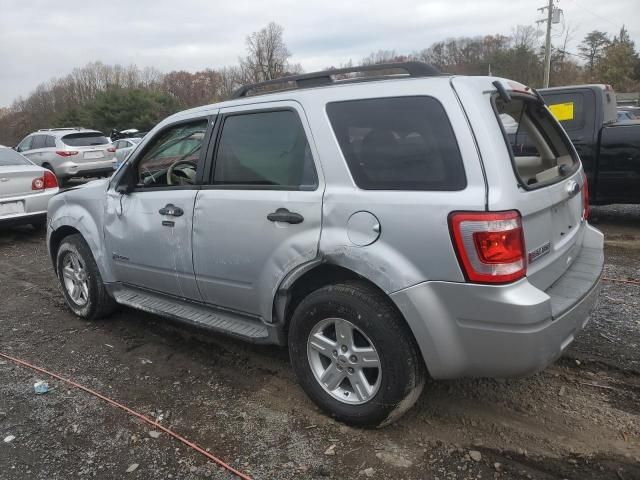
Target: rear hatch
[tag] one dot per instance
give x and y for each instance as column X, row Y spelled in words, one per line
column 550, row 185
column 91, row 146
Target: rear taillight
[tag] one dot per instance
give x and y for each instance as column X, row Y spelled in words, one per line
column 66, row 153
column 585, row 197
column 489, row 245
column 48, row 180
column 111, row 149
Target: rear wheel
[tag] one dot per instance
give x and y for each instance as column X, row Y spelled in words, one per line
column 354, row 355
column 80, row 279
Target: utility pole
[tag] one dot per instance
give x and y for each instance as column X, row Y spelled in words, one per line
column 547, row 48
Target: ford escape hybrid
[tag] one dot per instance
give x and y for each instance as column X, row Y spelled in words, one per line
column 386, row 223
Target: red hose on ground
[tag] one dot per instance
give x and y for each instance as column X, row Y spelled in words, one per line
column 131, row 412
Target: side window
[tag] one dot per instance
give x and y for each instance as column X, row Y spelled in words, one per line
column 39, row 141
column 118, row 145
column 25, row 144
column 398, row 143
column 268, row 149
column 171, row 158
column 50, row 142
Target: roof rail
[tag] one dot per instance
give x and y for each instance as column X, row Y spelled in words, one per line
column 59, row 129
column 316, row 79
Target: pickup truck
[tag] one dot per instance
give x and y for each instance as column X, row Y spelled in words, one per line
column 609, row 150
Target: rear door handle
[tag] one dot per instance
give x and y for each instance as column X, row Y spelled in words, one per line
column 284, row 215
column 171, row 210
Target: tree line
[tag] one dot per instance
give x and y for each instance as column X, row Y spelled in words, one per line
column 113, row 96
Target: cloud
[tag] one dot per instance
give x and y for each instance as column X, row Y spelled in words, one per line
column 39, row 40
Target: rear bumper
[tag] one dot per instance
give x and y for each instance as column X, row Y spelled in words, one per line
column 35, row 208
column 505, row 330
column 84, row 169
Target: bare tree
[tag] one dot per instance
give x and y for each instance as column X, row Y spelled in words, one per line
column 524, row 36
column 268, row 56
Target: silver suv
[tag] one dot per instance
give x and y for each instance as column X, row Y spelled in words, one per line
column 70, row 152
column 384, row 227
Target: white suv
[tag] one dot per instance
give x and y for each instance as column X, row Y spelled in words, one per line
column 70, row 152
column 384, row 228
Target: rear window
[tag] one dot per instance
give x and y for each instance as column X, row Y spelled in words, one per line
column 568, row 109
column 398, row 143
column 85, row 139
column 9, row 157
column 540, row 150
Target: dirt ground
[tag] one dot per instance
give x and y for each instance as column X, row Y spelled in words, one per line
column 579, row 419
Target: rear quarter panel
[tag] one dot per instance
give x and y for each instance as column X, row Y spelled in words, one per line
column 414, row 244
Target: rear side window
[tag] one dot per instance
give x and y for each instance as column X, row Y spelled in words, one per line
column 85, row 139
column 540, row 150
column 399, row 143
column 9, row 157
column 265, row 149
column 50, row 142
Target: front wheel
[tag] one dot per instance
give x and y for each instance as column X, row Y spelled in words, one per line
column 80, row 279
column 354, row 355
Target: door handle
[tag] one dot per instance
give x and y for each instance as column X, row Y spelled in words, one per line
column 284, row 215
column 171, row 210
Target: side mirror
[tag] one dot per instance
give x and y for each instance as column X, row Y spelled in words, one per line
column 126, row 180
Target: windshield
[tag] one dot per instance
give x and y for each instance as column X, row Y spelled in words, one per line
column 10, row 157
column 85, row 139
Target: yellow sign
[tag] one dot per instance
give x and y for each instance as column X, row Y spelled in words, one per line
column 562, row 111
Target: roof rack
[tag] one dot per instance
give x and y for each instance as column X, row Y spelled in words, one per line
column 316, row 79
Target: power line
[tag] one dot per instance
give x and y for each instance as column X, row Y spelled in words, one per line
column 598, row 15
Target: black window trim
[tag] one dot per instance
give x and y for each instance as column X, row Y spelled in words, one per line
column 554, row 122
column 212, row 121
column 346, row 163
column 208, row 180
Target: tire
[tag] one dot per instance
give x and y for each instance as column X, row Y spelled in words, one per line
column 93, row 301
column 391, row 388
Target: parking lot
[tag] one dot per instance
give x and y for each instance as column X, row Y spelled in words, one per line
column 579, row 419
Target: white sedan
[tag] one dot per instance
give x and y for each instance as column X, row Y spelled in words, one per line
column 25, row 190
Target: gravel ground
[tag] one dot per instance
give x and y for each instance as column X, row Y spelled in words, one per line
column 579, row 419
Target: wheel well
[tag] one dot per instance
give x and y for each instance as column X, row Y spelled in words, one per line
column 318, row 277
column 56, row 239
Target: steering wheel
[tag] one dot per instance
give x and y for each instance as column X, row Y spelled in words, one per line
column 174, row 166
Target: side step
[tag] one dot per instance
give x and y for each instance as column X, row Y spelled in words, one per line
column 251, row 329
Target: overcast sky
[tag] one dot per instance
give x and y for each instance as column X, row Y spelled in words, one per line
column 40, row 39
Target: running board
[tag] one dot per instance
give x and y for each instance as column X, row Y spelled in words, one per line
column 251, row 329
